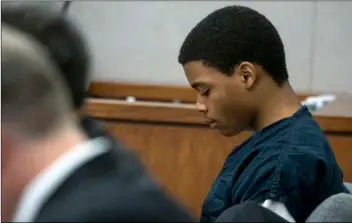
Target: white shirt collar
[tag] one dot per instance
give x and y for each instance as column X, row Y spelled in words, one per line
column 44, row 184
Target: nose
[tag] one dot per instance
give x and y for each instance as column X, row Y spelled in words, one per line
column 201, row 107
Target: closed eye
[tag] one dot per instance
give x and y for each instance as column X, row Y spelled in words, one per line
column 205, row 92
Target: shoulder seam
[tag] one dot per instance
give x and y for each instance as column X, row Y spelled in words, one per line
column 274, row 189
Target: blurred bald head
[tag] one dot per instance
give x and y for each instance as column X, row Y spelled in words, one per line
column 34, row 99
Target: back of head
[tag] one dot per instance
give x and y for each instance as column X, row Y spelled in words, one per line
column 35, row 100
column 63, row 41
column 231, row 35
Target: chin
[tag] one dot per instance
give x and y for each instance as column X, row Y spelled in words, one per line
column 228, row 133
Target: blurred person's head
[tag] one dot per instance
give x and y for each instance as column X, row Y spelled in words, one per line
column 60, row 36
column 37, row 120
column 234, row 58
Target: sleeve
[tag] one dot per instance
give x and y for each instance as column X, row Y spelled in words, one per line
column 261, row 180
column 299, row 177
column 301, row 181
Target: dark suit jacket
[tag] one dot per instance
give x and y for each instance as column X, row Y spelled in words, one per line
column 113, row 187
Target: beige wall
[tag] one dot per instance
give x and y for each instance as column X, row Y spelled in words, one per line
column 139, row 41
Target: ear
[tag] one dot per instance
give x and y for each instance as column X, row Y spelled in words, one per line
column 247, row 73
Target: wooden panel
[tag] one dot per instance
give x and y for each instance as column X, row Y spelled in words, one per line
column 149, row 92
column 185, row 114
column 342, row 148
column 186, row 159
column 142, row 91
column 341, row 106
column 183, row 153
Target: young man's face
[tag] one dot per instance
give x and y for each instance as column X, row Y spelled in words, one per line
column 226, row 101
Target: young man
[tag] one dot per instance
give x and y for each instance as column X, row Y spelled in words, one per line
column 235, row 60
column 66, row 172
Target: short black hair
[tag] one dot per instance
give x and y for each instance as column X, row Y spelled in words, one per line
column 63, row 41
column 233, row 34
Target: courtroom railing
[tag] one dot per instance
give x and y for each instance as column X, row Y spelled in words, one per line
column 148, row 92
column 186, row 113
column 334, row 117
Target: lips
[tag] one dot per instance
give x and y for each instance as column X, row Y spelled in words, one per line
column 211, row 123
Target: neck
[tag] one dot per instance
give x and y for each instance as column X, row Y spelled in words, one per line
column 31, row 158
column 276, row 105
